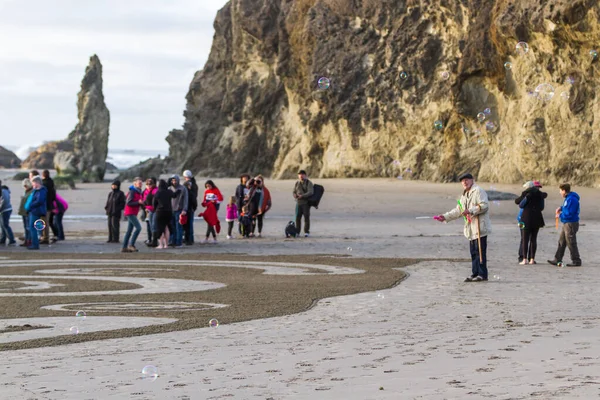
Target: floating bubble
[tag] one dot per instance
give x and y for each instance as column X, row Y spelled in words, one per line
column 570, row 80
column 508, row 65
column 560, row 264
column 80, row 315
column 438, row 125
column 480, row 117
column 466, row 130
column 403, row 75
column 445, row 75
column 529, row 142
column 565, row 95
column 522, row 48
column 521, row 225
column 487, row 111
column 149, row 373
column 490, row 126
column 480, row 141
column 544, row 92
column 324, row 83
column 349, row 249
column 39, row 225
column 213, row 323
column 594, row 54
column 408, row 171
column 497, row 277
column 74, row 330
column 396, row 162
column 380, row 296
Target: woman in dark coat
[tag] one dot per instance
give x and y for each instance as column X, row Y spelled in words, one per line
column 163, row 214
column 532, row 201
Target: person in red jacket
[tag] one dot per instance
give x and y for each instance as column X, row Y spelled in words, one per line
column 132, row 207
column 211, row 188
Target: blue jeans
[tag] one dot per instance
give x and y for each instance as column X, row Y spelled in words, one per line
column 58, row 226
column 34, row 234
column 176, row 237
column 6, row 229
column 26, row 228
column 479, row 268
column 133, row 222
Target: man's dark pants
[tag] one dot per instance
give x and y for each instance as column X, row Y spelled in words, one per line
column 479, row 269
column 303, row 209
column 568, row 237
column 114, row 223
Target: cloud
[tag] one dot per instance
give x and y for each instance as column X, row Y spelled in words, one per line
column 149, row 50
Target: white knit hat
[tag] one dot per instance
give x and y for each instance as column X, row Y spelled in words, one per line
column 188, row 174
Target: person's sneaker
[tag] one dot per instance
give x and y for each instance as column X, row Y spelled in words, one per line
column 205, row 241
column 470, row 278
column 132, row 249
column 214, row 241
column 53, row 240
column 14, row 243
column 574, row 265
column 147, row 241
column 524, row 262
column 478, row 279
column 553, row 262
column 125, row 250
column 532, row 262
column 260, row 235
column 306, row 235
column 228, row 236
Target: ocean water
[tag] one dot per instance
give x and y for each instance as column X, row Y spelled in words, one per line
column 121, row 158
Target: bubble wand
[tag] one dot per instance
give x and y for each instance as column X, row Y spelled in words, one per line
column 460, row 207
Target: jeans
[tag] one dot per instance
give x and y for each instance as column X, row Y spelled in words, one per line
column 150, row 224
column 35, row 239
column 568, row 237
column 133, row 222
column 303, row 209
column 176, row 237
column 6, row 229
column 479, row 268
column 26, row 228
column 58, row 226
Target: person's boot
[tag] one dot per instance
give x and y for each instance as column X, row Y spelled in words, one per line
column 154, row 241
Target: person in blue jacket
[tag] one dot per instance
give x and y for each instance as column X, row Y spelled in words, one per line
column 36, row 209
column 569, row 216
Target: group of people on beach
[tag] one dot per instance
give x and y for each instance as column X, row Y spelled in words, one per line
column 473, row 207
column 168, row 209
column 41, row 208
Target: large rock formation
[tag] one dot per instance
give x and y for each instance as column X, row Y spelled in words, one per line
column 84, row 151
column 8, row 159
column 395, row 68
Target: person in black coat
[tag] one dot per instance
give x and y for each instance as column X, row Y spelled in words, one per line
column 49, row 219
column 192, row 186
column 240, row 193
column 115, row 204
column 532, row 201
column 163, row 210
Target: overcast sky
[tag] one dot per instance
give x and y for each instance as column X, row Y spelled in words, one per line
column 149, row 50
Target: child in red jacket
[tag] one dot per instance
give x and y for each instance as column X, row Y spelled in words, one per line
column 210, row 216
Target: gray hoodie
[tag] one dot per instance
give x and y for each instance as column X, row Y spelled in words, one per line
column 180, row 202
column 5, row 205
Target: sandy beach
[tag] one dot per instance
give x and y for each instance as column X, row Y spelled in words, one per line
column 532, row 331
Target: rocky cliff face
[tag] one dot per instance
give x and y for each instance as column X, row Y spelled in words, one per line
column 8, row 159
column 85, row 150
column 407, row 80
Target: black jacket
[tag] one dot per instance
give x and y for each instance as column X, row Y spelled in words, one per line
column 193, row 196
column 49, row 185
column 532, row 212
column 239, row 195
column 115, row 203
column 162, row 201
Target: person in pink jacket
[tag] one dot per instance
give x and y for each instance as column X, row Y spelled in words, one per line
column 232, row 215
column 60, row 206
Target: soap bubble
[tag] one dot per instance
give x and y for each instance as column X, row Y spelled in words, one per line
column 487, row 111
column 39, row 225
column 490, row 126
column 521, row 225
column 80, row 315
column 439, row 125
column 570, row 80
column 380, row 296
column 466, row 130
column 445, row 75
column 213, row 323
column 324, row 83
column 508, row 65
column 544, row 92
column 529, row 142
column 481, row 117
column 403, row 75
column 74, row 330
column 480, row 141
column 408, row 171
column 396, row 162
column 497, row 277
column 560, row 264
column 149, row 373
column 349, row 249
column 593, row 54
column 565, row 95
column 522, row 48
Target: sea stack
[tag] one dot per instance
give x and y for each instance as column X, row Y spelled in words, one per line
column 84, row 151
column 8, row 159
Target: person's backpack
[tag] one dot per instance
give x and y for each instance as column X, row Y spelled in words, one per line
column 290, row 230
column 313, row 201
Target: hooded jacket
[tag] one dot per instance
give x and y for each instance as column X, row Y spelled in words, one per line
column 180, row 202
column 5, row 205
column 476, row 201
column 51, row 192
column 193, row 195
column 36, row 203
column 132, row 203
column 570, row 208
column 115, row 203
column 532, row 202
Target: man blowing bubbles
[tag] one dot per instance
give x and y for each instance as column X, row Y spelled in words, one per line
column 473, row 206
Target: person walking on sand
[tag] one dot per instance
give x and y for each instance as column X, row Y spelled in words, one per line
column 531, row 202
column 28, row 189
column 132, row 208
column 473, row 206
column 5, row 212
column 36, row 207
column 303, row 189
column 190, row 183
column 115, row 204
column 180, row 207
column 569, row 216
column 51, row 196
